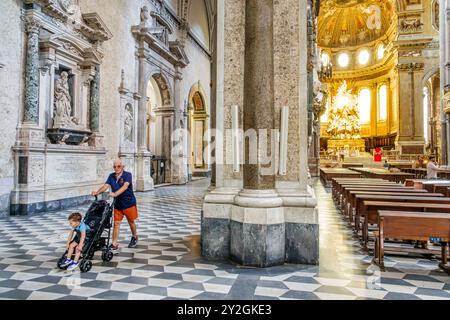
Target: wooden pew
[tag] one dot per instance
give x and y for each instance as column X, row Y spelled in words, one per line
column 340, row 187
column 352, row 165
column 328, row 174
column 384, row 174
column 354, row 198
column 335, row 182
column 428, row 184
column 443, row 189
column 433, row 187
column 412, row 226
column 346, row 193
column 382, row 188
column 368, row 210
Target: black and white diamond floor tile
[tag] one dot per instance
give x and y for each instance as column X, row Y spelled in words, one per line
column 166, row 266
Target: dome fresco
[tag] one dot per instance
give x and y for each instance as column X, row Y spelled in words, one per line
column 350, row 23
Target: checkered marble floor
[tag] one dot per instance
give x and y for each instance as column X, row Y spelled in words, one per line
column 167, row 262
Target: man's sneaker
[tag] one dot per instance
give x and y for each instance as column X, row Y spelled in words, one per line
column 73, row 266
column 66, row 263
column 133, row 243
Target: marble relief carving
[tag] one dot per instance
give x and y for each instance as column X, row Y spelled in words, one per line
column 128, row 123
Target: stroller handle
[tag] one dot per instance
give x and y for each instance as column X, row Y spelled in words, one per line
column 113, row 203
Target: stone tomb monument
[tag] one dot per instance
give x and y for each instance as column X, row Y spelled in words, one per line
column 58, row 152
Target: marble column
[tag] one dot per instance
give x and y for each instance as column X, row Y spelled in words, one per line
column 443, row 27
column 144, row 181
column 31, row 110
column 411, row 139
column 94, row 110
column 179, row 156
column 257, row 230
column 213, row 109
column 257, row 217
column 258, row 85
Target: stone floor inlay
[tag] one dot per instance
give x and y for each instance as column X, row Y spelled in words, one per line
column 167, row 262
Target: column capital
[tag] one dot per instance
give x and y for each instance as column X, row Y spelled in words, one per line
column 32, row 25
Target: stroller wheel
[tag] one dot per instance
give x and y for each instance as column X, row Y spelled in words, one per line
column 86, row 266
column 107, row 256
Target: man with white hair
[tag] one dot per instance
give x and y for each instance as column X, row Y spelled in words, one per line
column 120, row 182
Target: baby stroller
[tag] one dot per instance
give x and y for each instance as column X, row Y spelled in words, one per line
column 99, row 219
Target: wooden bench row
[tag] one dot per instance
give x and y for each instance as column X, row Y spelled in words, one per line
column 361, row 201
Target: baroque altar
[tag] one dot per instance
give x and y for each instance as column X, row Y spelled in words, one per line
column 344, row 128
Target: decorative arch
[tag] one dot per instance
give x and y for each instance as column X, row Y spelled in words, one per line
column 198, row 89
column 163, row 86
column 435, row 70
column 160, row 124
column 198, row 126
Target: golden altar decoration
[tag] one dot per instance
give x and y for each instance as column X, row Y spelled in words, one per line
column 344, row 124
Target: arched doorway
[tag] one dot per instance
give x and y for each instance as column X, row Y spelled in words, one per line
column 160, row 117
column 198, row 126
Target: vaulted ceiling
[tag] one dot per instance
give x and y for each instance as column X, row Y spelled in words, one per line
column 351, row 23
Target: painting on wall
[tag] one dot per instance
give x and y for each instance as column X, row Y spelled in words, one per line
column 198, row 102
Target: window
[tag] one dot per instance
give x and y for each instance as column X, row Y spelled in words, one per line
column 343, row 60
column 364, row 57
column 364, row 104
column 325, row 59
column 383, row 102
column 380, row 52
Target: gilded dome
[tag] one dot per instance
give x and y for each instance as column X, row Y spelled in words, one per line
column 351, row 23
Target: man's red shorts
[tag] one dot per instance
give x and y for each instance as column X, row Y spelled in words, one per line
column 130, row 213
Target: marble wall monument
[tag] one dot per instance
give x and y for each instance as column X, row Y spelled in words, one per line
column 58, row 149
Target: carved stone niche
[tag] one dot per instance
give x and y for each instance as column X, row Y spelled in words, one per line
column 128, row 107
column 70, row 52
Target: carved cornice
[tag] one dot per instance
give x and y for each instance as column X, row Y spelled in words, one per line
column 410, row 44
column 90, row 26
column 95, row 28
column 174, row 53
column 371, row 72
column 411, row 66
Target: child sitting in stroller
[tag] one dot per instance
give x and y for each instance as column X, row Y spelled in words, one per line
column 79, row 229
